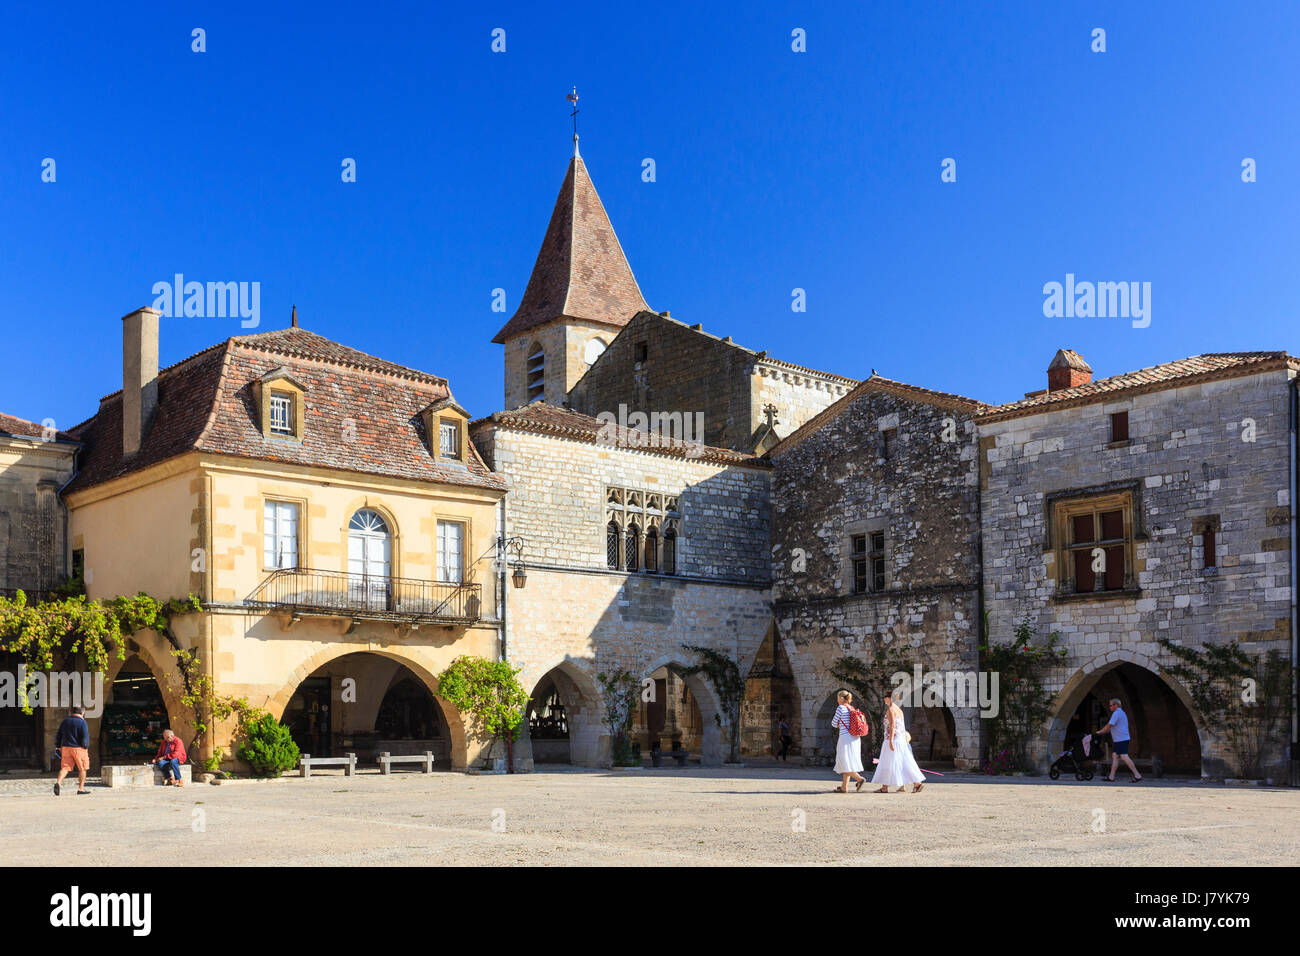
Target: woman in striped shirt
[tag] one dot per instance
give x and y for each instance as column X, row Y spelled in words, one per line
column 848, row 751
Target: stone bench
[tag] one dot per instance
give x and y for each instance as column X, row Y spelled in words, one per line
column 348, row 763
column 656, row 756
column 139, row 775
column 386, row 760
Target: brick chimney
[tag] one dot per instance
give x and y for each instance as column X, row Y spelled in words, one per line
column 1067, row 370
column 139, row 376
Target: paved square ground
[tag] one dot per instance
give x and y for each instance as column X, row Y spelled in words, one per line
column 650, row 817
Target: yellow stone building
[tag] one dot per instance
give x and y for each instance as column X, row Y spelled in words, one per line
column 330, row 512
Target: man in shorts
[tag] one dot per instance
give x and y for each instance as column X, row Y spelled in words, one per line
column 1119, row 735
column 72, row 741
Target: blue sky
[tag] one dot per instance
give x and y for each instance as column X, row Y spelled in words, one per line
column 775, row 170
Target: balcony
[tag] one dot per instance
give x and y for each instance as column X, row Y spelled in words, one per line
column 305, row 592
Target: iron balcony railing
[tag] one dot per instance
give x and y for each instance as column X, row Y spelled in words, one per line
column 341, row 594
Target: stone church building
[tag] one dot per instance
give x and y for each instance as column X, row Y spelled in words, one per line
column 650, row 484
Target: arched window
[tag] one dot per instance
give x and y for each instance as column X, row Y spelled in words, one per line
column 631, row 552
column 370, row 561
column 652, row 549
column 670, row 551
column 535, row 372
column 612, row 536
column 593, row 350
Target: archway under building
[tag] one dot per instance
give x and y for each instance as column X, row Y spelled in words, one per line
column 20, row 733
column 1163, row 726
column 563, row 719
column 934, row 734
column 135, row 714
column 771, row 697
column 682, row 709
column 367, row 704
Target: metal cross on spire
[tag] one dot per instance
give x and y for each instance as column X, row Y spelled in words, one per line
column 573, row 98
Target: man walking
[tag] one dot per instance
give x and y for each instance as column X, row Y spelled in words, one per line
column 72, row 743
column 1119, row 735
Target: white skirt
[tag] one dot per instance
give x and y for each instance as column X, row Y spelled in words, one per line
column 897, row 767
column 848, row 754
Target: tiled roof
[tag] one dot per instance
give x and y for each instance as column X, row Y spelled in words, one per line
column 1188, row 371
column 361, row 413
column 581, row 271
column 876, row 383
column 22, row 428
column 543, row 419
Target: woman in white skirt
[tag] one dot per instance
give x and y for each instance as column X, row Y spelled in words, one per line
column 848, row 750
column 897, row 766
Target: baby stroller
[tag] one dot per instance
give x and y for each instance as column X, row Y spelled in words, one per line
column 1073, row 761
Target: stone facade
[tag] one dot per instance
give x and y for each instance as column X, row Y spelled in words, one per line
column 577, row 617
column 660, row 365
column 900, row 462
column 32, row 520
column 1184, row 467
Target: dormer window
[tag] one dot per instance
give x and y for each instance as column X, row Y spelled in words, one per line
column 280, row 398
column 281, row 413
column 445, row 425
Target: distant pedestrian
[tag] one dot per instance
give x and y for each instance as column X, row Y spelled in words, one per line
column 848, row 750
column 171, row 754
column 1117, row 727
column 783, row 730
column 897, row 766
column 72, row 746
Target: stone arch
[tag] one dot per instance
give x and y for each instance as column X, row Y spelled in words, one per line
column 1086, row 677
column 583, row 703
column 713, row 747
column 154, row 652
column 277, row 702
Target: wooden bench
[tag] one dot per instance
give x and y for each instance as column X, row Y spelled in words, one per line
column 348, row 763
column 386, row 760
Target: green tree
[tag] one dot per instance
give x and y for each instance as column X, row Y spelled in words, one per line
column 488, row 693
column 268, row 745
column 1024, row 704
column 621, row 692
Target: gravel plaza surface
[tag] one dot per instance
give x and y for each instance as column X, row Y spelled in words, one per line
column 651, row 817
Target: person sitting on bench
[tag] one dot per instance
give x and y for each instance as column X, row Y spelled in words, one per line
column 171, row 754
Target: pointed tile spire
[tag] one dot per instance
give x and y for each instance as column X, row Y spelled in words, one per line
column 581, row 271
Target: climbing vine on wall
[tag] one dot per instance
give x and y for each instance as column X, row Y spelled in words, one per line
column 47, row 632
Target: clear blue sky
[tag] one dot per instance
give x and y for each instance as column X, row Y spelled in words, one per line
column 775, row 170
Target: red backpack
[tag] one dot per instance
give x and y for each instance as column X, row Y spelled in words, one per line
column 858, row 726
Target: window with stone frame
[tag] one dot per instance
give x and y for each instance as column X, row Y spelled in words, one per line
column 642, row 530
column 1095, row 544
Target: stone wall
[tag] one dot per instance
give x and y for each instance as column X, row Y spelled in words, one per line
column 658, row 364
column 836, row 483
column 31, row 515
column 1185, row 463
column 557, row 491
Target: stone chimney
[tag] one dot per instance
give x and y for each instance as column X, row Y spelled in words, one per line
column 1067, row 370
column 139, row 376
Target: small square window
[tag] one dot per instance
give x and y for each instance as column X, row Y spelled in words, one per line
column 281, row 413
column 1119, row 426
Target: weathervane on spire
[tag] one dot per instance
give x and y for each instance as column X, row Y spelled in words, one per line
column 573, row 98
